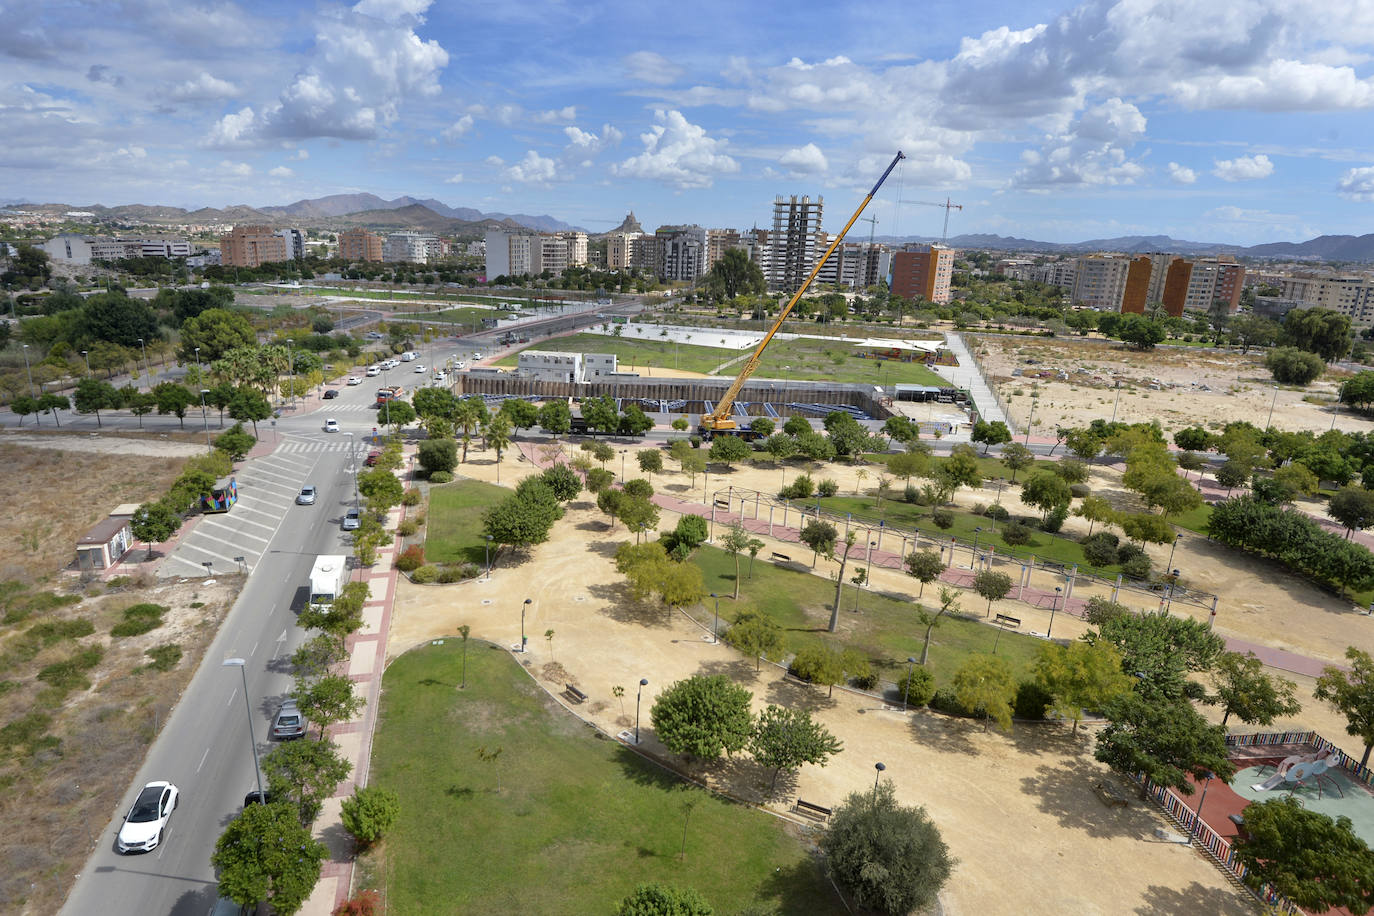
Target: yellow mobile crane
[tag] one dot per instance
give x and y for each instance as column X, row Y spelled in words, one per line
column 720, row 421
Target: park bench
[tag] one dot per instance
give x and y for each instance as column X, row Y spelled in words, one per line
column 577, row 696
column 722, row 504
column 781, row 557
column 1110, row 795
column 1008, row 621
column 810, row 810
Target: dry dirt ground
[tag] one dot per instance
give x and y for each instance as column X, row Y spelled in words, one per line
column 1237, row 387
column 1018, row 810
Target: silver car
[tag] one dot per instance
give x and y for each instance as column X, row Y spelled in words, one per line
column 306, row 497
column 288, row 723
column 351, row 520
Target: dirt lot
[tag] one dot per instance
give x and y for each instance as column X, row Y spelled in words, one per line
column 1193, row 386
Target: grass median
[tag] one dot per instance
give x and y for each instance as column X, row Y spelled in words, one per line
column 453, row 522
column 577, row 821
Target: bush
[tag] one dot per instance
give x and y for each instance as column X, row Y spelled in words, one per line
column 450, row 574
column 411, row 497
column 411, row 559
column 370, row 814
column 1137, row 567
column 1055, row 520
column 800, row 488
column 425, row 575
column 1080, row 490
column 828, row 488
column 943, row 519
column 944, row 700
column 1016, row 534
column 911, row 494
column 695, row 440
column 440, row 477
column 1100, row 549
column 138, row 620
column 164, row 658
column 865, row 681
column 922, row 687
column 470, row 570
column 1100, row 610
column 691, row 530
column 997, row 512
column 407, row 528
column 1031, row 701
column 366, row 903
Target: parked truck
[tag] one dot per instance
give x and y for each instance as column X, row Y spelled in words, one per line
column 389, row 393
column 327, row 579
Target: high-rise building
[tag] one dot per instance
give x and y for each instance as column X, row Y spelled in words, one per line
column 857, row 265
column 618, row 254
column 719, row 241
column 360, row 245
column 412, row 248
column 755, row 241
column 683, row 252
column 508, row 254
column 295, row 243
column 250, row 246
column 922, row 272
column 1100, row 281
column 794, row 242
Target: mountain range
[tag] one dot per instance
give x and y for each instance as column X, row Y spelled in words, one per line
column 1322, row 248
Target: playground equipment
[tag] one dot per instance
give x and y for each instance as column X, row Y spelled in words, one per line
column 1300, row 770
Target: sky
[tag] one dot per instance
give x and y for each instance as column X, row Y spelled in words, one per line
column 1240, row 121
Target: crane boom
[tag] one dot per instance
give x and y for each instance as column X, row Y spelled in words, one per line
column 720, row 419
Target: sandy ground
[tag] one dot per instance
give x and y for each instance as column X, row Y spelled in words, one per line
column 1018, row 810
column 159, row 447
column 1196, row 386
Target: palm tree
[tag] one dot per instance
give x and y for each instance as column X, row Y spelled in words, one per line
column 498, row 435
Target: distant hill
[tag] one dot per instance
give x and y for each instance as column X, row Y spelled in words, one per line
column 1321, row 248
column 353, row 205
column 1324, row 248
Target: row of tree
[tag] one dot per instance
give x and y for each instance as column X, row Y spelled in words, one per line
column 1293, row 539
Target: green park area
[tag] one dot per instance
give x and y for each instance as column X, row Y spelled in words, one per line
column 453, row 525
column 636, row 355
column 838, row 361
column 509, row 804
column 883, row 628
column 465, row 317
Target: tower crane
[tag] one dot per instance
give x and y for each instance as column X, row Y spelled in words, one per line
column 947, row 205
column 720, row 420
column 872, row 224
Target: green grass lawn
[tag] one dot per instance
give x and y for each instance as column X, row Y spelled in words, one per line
column 884, row 629
column 460, row 316
column 835, row 360
column 577, row 823
column 634, row 354
column 453, row 522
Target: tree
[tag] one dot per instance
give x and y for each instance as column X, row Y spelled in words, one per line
column 23, row 405
column 926, row 566
column 1147, row 529
column 327, row 700
column 562, row 481
column 703, row 716
column 154, row 523
column 265, row 855
column 1140, row 332
column 1087, row 444
column 730, row 450
column 949, row 601
column 1321, row 331
column 93, row 395
column 1017, row 458
column 985, row 684
column 174, row 399
column 1317, row 863
column 305, row 773
column 990, row 434
column 1160, row 650
column 235, row 442
column 633, row 420
column 650, row 460
column 1164, row 739
column 247, row 404
column 1358, row 391
column 735, row 274
column 1095, row 509
column 1253, row 331
column 608, row 501
column 780, row 446
column 1232, row 474
column 819, row 664
column 215, row 332
column 1352, row 695
column 784, row 739
column 1245, row 689
column 762, row 427
column 735, row 542
column 1080, row 676
column 522, row 413
column 1353, row 507
column 664, row 900
column 381, row 488
column 370, row 813
column 757, row 636
column 960, row 469
column 555, row 418
column 438, row 455
column 1045, row 490
column 599, row 479
column 891, row 858
column 638, row 514
column 1193, row 439
column 991, row 585
column 820, row 537
column 1291, row 366
column 600, row 414
column 524, row 518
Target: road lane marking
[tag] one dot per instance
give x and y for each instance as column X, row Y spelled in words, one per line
column 232, row 694
column 202, row 759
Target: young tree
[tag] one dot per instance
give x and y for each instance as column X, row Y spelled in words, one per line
column 825, row 667
column 247, row 404
column 93, row 395
column 891, row 858
column 381, row 488
column 524, row 518
column 600, row 414
column 599, row 479
column 305, row 773
column 328, row 700
column 638, row 514
column 1245, row 689
column 154, row 523
column 1352, row 695
column 949, row 601
column 991, row 585
column 1045, row 490
column 1080, row 676
column 634, row 421
column 984, row 683
column 317, row 657
column 370, row 813
column 266, row 856
column 990, row 434
column 703, row 716
column 522, row 413
column 1095, row 509
column 960, row 469
column 235, row 442
column 608, row 501
column 175, row 399
column 1353, row 507
column 735, row 542
column 663, row 899
column 784, row 739
column 1165, row 739
column 555, row 418
column 650, row 460
column 1017, row 457
column 730, row 450
column 756, row 636
column 1318, row 863
column 926, row 566
column 820, row 537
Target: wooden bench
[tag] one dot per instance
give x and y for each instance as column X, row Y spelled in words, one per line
column 1007, row 621
column 1110, row 795
column 810, row 810
column 781, row 557
column 577, row 696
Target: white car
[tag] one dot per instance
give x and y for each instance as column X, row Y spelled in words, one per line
column 146, row 822
column 461, row 364
column 420, row 369
column 477, row 355
column 354, row 380
column 331, row 426
column 441, row 376
column 373, row 371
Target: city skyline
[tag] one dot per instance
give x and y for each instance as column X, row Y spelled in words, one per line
column 1044, row 120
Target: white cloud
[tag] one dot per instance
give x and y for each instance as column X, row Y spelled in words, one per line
column 231, row 129
column 1182, row 174
column 237, row 169
column 299, row 155
column 1358, row 184
column 1243, row 168
column 281, row 171
column 1280, row 85
column 495, row 161
column 454, row 179
column 1091, row 152
column 458, row 128
column 678, row 153
column 805, row 160
column 586, row 143
column 567, row 113
column 653, row 68
column 392, row 10
column 203, row 88
column 534, row 168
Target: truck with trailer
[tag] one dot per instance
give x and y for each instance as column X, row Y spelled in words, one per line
column 389, row 393
column 327, row 579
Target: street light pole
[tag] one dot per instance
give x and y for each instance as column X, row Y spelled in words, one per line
column 29, row 371
column 878, row 775
column 1030, row 419
column 1271, row 408
column 1172, row 547
column 524, row 640
column 1117, row 401
column 252, row 740
column 291, row 371
column 147, row 369
column 906, row 694
column 715, row 628
column 622, row 467
column 87, row 355
column 488, row 537
column 1169, row 593
column 1058, row 591
column 1197, row 812
column 643, row 682
column 204, row 420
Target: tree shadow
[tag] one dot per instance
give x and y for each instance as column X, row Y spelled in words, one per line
column 195, row 903
column 794, row 886
column 622, row 607
column 435, row 682
column 646, row 773
column 1066, row 792
column 795, row 694
column 593, row 524
column 605, row 549
column 1169, row 901
column 339, row 842
column 460, row 792
column 751, row 780
column 946, row 733
column 736, row 669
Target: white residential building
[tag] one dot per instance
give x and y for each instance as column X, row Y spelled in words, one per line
column 1100, row 281
column 411, row 247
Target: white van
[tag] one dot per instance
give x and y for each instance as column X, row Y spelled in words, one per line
column 408, row 356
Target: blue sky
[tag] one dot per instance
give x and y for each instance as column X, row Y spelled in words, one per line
column 1245, row 122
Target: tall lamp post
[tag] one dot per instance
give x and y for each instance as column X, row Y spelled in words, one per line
column 1030, row 419
column 1117, row 401
column 1058, row 591
column 1271, row 409
column 291, row 371
column 906, row 693
column 1172, row 548
column 1197, row 812
column 715, row 628
column 204, row 420
column 200, row 379
column 524, row 640
column 643, row 682
column 488, row 537
column 28, row 371
column 353, row 460
column 878, row 775
column 147, row 369
column 622, row 466
column 252, row 740
column 1169, row 591
column 86, row 354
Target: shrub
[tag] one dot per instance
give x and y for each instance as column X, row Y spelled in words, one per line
column 410, row 497
column 138, row 620
column 695, row 440
column 680, row 424
column 370, row 814
column 828, row 488
column 997, row 512
column 164, row 658
column 1016, row 534
column 1125, row 553
column 366, row 903
column 1137, row 567
column 407, row 528
column 943, row 518
column 800, row 488
column 1055, row 520
column 411, row 559
column 1031, row 701
column 922, row 687
column 120, row 581
column 944, row 700
column 865, row 681
column 911, row 494
column 425, row 574
column 1080, row 490
column 1100, row 610
column 440, row 477
column 450, row 574
column 1100, row 549
column 470, row 570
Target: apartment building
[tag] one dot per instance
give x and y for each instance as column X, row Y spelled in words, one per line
column 683, row 253
column 923, row 272
column 1100, row 281
column 360, row 245
column 857, row 265
column 1348, row 295
column 719, row 241
column 548, row 253
column 646, row 253
column 295, row 243
column 619, row 254
column 756, row 243
column 1057, row 273
column 794, row 242
column 250, row 246
column 1137, row 292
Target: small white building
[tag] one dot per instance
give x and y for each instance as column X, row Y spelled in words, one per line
column 550, row 366
column 108, row 541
